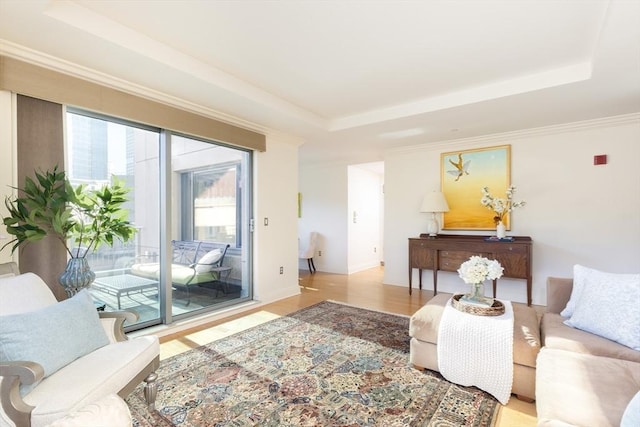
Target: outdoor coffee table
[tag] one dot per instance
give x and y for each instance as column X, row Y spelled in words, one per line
column 123, row 284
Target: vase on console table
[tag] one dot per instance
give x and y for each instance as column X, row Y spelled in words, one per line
column 501, row 230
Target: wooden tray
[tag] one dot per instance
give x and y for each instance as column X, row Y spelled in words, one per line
column 496, row 309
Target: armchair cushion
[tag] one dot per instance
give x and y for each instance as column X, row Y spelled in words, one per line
column 110, row 411
column 208, row 261
column 90, row 378
column 53, row 336
column 25, row 292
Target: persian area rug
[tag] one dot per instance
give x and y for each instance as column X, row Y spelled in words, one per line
column 326, row 365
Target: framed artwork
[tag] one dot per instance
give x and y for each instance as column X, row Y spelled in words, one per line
column 463, row 175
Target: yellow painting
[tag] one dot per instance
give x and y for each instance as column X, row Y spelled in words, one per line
column 464, row 173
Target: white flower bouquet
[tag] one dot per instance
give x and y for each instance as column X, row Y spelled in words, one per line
column 477, row 269
column 500, row 206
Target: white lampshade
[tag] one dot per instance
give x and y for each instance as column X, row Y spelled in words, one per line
column 434, row 202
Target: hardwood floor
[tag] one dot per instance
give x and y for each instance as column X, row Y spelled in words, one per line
column 363, row 289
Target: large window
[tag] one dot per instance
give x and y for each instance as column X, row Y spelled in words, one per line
column 207, row 214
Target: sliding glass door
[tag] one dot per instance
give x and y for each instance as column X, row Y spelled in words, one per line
column 210, row 181
column 208, row 207
column 100, row 150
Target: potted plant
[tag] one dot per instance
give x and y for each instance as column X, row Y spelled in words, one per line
column 81, row 217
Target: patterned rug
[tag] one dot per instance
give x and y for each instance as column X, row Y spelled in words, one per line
column 326, row 365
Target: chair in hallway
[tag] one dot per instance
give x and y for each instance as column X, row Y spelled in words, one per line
column 308, row 252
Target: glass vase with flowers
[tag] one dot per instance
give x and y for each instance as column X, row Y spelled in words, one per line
column 475, row 271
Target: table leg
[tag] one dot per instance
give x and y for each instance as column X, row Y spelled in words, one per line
column 435, row 281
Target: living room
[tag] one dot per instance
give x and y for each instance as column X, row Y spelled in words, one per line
column 554, row 121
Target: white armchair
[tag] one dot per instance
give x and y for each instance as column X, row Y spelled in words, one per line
column 29, row 395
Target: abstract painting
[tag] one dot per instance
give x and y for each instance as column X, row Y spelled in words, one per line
column 464, row 173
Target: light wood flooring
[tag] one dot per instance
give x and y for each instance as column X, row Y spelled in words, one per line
column 363, row 289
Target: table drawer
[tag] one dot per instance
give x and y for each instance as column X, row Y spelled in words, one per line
column 511, row 248
column 451, row 260
column 420, row 256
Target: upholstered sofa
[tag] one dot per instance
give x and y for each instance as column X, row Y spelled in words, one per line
column 584, row 379
column 423, row 329
column 58, row 359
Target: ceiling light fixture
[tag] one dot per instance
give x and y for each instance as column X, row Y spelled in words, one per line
column 402, row 133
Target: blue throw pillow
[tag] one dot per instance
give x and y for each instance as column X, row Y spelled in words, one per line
column 53, row 336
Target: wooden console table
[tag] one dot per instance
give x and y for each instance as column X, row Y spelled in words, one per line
column 447, row 252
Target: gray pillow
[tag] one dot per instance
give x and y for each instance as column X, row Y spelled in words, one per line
column 53, row 336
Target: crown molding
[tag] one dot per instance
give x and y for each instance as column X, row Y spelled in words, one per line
column 498, row 138
column 60, row 65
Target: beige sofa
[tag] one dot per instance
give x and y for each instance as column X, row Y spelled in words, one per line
column 423, row 329
column 582, row 379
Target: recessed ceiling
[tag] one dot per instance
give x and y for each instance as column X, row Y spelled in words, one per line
column 353, row 78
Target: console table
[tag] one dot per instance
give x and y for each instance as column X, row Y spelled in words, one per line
column 447, row 251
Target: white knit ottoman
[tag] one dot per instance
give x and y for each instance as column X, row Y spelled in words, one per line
column 423, row 329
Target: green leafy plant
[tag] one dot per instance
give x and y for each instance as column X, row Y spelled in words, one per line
column 49, row 205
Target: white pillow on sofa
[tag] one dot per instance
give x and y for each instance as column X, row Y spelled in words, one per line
column 205, row 263
column 631, row 415
column 609, row 311
column 583, row 276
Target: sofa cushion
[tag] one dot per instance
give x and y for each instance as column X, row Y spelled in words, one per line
column 583, row 276
column 37, row 336
column 208, row 260
column 610, row 311
column 180, row 274
column 526, row 335
column 80, row 383
column 582, row 389
column 555, row 334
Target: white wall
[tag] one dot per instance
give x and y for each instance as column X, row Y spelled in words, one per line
column 8, row 172
column 324, row 192
column 276, row 244
column 576, row 213
column 364, row 199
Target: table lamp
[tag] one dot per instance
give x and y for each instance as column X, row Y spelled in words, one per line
column 433, row 203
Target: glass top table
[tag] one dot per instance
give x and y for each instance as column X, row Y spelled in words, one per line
column 123, row 284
